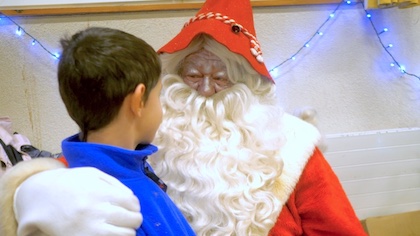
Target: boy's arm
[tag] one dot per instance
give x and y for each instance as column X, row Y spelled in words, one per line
column 42, row 197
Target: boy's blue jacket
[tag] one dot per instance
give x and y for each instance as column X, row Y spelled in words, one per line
column 160, row 215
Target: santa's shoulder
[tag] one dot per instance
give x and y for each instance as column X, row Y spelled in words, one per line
column 301, row 139
column 299, row 133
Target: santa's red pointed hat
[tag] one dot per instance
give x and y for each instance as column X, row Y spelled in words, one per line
column 231, row 23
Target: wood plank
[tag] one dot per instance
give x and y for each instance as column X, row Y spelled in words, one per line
column 381, row 211
column 372, row 139
column 381, row 184
column 371, row 156
column 385, row 199
column 138, row 7
column 377, row 170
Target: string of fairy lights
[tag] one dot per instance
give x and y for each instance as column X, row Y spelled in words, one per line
column 319, row 32
column 394, row 63
column 20, row 31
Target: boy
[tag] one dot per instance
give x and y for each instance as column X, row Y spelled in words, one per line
column 109, row 81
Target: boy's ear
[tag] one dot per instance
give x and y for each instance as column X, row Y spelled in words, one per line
column 137, row 101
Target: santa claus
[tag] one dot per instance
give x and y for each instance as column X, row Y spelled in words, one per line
column 234, row 162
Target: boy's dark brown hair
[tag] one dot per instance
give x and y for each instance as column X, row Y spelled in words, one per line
column 98, row 68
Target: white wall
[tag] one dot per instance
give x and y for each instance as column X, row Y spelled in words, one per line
column 379, row 170
column 344, row 74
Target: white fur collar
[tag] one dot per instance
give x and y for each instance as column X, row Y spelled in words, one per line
column 301, row 140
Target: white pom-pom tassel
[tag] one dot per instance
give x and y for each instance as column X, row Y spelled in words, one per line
column 254, row 52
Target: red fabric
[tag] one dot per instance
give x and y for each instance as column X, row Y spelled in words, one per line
column 63, row 160
column 318, row 205
column 240, row 11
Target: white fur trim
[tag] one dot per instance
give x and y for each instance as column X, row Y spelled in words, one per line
column 301, row 140
column 10, row 181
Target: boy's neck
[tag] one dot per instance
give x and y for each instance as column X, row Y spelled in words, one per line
column 117, row 133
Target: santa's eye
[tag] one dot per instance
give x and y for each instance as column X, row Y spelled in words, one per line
column 193, row 77
column 221, row 78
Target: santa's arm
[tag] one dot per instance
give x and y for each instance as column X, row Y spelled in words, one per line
column 42, row 197
column 10, row 182
column 321, row 202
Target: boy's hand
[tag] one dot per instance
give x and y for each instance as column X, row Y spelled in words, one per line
column 78, row 201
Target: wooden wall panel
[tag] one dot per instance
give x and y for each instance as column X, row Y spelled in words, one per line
column 379, row 170
column 65, row 7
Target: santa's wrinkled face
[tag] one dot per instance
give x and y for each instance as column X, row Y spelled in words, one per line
column 228, row 141
column 205, row 72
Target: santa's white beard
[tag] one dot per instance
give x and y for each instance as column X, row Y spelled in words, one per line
column 220, row 157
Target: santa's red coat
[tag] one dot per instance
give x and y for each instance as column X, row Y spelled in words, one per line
column 318, row 205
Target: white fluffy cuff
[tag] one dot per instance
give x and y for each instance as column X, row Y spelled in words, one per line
column 9, row 183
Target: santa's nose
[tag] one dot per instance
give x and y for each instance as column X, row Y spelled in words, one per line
column 206, row 87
